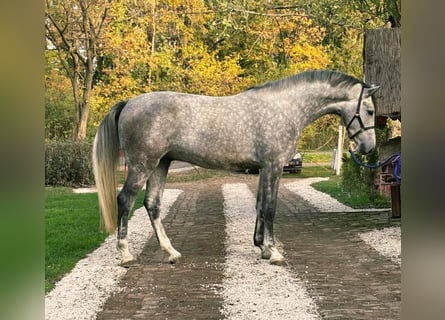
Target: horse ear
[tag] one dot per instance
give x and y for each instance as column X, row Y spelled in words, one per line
column 370, row 91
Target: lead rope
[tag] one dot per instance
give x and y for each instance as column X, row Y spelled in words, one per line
column 395, row 158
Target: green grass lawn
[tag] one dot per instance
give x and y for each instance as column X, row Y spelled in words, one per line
column 71, row 230
column 333, row 188
column 316, row 156
column 311, row 171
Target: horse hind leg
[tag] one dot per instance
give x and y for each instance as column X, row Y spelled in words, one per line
column 125, row 203
column 266, row 206
column 258, row 237
column 152, row 202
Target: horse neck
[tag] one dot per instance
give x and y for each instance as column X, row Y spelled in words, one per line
column 311, row 101
column 304, row 102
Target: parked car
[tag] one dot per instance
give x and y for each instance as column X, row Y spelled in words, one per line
column 295, row 164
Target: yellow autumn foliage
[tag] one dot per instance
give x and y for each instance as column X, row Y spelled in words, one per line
column 191, row 47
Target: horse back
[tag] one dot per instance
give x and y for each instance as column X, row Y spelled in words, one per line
column 215, row 132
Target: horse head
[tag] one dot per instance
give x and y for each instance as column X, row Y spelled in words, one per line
column 359, row 115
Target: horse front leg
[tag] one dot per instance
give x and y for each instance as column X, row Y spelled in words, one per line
column 266, row 213
column 152, row 202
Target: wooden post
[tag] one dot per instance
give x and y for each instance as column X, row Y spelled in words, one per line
column 395, row 201
column 339, row 151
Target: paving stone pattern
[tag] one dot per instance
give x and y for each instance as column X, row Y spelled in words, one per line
column 346, row 278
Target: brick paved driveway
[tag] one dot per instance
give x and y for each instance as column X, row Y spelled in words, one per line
column 346, row 278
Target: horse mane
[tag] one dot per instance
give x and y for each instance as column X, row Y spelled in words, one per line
column 334, row 78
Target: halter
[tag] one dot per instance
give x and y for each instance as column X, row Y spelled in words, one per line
column 357, row 116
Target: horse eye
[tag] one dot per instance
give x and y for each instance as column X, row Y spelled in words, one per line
column 370, row 112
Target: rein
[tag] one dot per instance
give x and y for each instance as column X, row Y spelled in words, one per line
column 395, row 158
column 358, row 117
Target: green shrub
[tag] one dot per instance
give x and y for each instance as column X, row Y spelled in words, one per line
column 357, row 180
column 353, row 178
column 360, row 181
column 68, row 164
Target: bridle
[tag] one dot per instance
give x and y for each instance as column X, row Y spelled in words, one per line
column 357, row 116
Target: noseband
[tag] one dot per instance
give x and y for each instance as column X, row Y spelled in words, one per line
column 358, row 117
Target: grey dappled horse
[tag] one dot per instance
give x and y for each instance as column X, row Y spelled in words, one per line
column 257, row 128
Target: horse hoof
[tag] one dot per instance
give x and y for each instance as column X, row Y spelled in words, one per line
column 127, row 264
column 265, row 255
column 127, row 260
column 174, row 258
column 277, row 260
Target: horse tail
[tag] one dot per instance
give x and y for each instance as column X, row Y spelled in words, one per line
column 105, row 161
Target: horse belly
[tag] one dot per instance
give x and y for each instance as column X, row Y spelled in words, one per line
column 215, row 153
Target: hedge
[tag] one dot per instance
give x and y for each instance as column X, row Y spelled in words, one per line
column 68, row 164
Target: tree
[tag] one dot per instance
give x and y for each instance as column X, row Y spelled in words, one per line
column 59, row 112
column 345, row 21
column 389, row 10
column 198, row 46
column 74, row 29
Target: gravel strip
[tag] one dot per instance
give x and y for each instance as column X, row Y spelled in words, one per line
column 320, row 200
column 80, row 294
column 386, row 241
column 253, row 288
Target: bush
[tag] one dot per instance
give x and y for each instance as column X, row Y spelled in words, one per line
column 68, row 164
column 354, row 178
column 360, row 181
column 357, row 180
